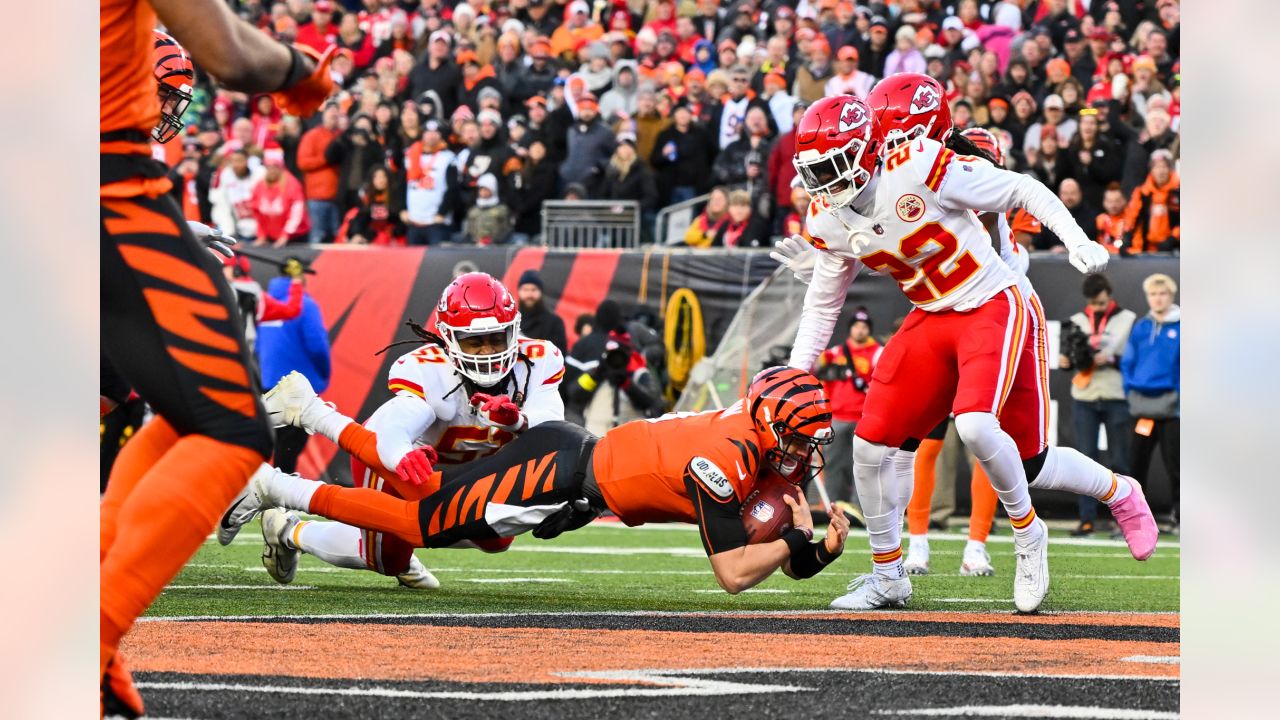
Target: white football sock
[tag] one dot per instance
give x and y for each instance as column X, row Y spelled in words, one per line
column 330, row 424
column 290, row 491
column 974, row 546
column 919, row 546
column 332, row 542
column 1071, row 470
column 998, row 453
column 877, row 485
column 904, row 466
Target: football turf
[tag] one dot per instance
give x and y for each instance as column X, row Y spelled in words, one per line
column 608, row 567
column 618, row 622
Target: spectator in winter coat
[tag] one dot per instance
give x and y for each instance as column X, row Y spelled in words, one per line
column 1155, row 135
column 475, row 78
column 1051, row 164
column 681, row 156
column 876, row 52
column 702, row 231
column 431, row 182
column 1070, row 195
column 354, row 153
column 437, row 72
column 811, row 79
column 320, row 33
column 376, row 218
column 355, row 41
column 1111, row 227
column 578, row 27
column 320, row 176
column 283, row 346
column 1055, row 115
column 780, row 103
column 232, row 210
column 536, row 321
column 793, row 221
column 629, row 179
column 1154, row 211
column 841, row 30
column 621, row 99
column 539, row 75
column 596, row 71
column 905, row 58
column 278, row 204
column 726, row 122
column 743, row 163
column 648, row 124
column 533, row 185
column 848, row 79
column 1094, row 159
column 590, row 145
column 744, row 228
column 1153, row 385
column 489, row 221
column 781, row 171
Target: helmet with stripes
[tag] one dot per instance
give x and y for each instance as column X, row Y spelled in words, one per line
column 175, row 79
column 792, row 415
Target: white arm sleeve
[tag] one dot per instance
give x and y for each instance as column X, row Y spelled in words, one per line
column 981, row 186
column 823, row 301
column 398, row 424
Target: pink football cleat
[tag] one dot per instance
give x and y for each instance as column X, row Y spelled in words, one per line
column 1134, row 517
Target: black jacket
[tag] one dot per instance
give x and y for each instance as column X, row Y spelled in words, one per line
column 692, row 159
column 531, row 187
column 638, row 185
column 354, row 162
column 445, row 80
column 541, row 324
column 1104, row 168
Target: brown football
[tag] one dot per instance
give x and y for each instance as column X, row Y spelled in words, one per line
column 765, row 516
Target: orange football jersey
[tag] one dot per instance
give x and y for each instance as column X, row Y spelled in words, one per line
column 127, row 84
column 642, row 466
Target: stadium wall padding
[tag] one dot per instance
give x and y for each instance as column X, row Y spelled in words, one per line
column 367, row 295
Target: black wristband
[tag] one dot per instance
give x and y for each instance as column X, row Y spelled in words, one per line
column 297, row 69
column 796, row 540
column 811, row 560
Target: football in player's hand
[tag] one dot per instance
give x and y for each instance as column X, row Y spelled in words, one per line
column 765, row 516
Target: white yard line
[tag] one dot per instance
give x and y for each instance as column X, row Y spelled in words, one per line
column 1154, row 659
column 1034, row 711
column 774, row 591
column 587, row 613
column 516, row 580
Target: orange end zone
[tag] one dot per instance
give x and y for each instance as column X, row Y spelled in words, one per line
column 417, row 652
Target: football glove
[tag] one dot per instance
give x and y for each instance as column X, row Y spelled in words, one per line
column 1089, row 257
column 416, row 466
column 797, row 255
column 213, row 238
column 498, row 411
column 306, row 97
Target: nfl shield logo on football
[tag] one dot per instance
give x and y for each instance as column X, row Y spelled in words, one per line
column 763, row 511
column 910, row 207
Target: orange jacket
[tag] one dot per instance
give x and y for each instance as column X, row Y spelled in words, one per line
column 319, row 178
column 566, row 39
column 1154, row 213
column 1112, row 231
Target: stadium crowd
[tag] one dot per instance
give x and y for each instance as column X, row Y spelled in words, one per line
column 455, row 121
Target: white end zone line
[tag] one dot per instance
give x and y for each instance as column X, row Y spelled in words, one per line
column 1034, row 711
column 599, row 613
column 1154, row 659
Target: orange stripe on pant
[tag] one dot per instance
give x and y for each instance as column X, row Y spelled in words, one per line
column 1013, row 349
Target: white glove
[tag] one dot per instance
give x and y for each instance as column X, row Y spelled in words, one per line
column 797, row 255
column 213, row 238
column 1089, row 257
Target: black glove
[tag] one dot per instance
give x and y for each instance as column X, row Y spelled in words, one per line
column 568, row 518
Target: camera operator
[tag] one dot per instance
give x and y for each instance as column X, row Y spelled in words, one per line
column 618, row 389
column 1092, row 342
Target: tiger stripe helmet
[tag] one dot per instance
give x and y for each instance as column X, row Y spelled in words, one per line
column 175, row 78
column 986, row 142
column 793, row 417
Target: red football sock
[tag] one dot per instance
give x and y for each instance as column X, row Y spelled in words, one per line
column 369, row 509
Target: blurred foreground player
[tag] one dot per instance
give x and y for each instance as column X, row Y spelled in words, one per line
column 682, row 467
column 168, row 319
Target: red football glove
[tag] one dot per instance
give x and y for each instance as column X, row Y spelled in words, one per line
column 415, row 466
column 305, row 98
column 499, row 411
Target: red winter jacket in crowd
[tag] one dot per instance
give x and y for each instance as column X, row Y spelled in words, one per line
column 845, row 397
column 280, row 208
column 309, row 34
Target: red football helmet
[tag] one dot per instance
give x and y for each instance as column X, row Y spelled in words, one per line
column 986, row 142
column 175, row 78
column 475, row 305
column 836, row 148
column 793, row 417
column 907, row 106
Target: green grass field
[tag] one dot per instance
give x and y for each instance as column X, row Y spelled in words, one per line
column 609, row 567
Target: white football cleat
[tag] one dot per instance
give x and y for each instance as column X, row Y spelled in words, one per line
column 872, row 591
column 1031, row 578
column 278, row 557
column 418, row 576
column 917, row 562
column 976, row 562
column 246, row 506
column 294, row 402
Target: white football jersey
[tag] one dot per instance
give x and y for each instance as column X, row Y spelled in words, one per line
column 441, row 405
column 916, row 222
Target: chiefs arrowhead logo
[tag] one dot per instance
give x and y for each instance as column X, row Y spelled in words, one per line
column 910, row 207
column 852, row 116
column 925, row 100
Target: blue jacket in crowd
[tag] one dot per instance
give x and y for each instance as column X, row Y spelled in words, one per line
column 300, row 344
column 1152, row 356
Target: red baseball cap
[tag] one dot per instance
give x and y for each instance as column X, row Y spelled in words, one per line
column 848, row 52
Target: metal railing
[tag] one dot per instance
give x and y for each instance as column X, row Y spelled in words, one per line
column 575, row 224
column 673, row 220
